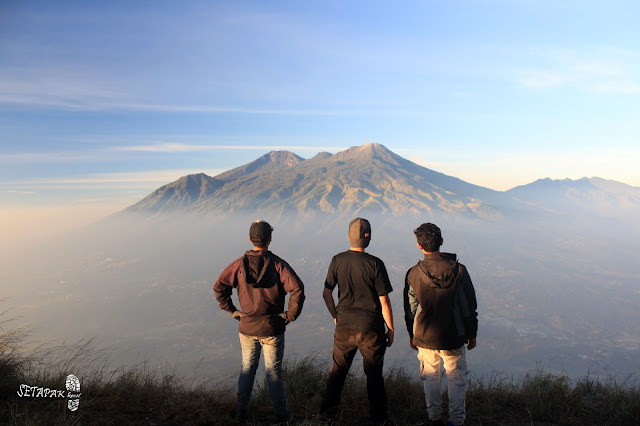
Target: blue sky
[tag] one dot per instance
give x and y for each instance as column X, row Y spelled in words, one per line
column 102, row 102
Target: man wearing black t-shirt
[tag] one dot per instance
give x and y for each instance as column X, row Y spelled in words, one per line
column 360, row 317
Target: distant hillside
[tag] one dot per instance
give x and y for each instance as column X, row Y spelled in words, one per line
column 595, row 195
column 364, row 178
column 177, row 195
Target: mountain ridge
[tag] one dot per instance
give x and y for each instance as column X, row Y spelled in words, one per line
column 362, row 178
column 368, row 178
column 595, row 194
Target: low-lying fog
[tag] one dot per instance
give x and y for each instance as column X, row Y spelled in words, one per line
column 564, row 297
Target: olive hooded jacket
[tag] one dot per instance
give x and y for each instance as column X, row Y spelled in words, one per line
column 440, row 303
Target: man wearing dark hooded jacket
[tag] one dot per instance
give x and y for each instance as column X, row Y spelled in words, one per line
column 440, row 314
column 262, row 280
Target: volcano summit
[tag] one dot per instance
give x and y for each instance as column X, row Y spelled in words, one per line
column 367, row 178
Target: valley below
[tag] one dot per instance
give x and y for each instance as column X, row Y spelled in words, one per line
column 143, row 294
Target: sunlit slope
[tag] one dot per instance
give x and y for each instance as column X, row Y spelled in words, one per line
column 368, row 178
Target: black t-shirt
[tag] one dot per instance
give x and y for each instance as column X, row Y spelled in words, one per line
column 361, row 279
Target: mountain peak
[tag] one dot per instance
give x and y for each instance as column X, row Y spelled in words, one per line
column 195, row 178
column 321, row 156
column 362, row 178
column 286, row 158
column 183, row 192
column 270, row 161
column 367, row 151
column 372, row 148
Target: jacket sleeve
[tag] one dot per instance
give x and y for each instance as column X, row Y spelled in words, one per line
column 223, row 287
column 470, row 316
column 411, row 305
column 292, row 285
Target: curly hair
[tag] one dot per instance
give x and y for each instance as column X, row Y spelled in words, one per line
column 429, row 237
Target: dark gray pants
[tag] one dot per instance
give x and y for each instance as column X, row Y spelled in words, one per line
column 372, row 346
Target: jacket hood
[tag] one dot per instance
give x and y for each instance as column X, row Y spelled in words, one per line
column 255, row 265
column 440, row 268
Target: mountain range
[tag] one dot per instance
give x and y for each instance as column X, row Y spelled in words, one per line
column 371, row 178
column 587, row 194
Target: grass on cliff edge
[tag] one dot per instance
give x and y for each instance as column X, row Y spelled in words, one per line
column 142, row 395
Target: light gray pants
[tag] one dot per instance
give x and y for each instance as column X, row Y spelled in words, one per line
column 455, row 365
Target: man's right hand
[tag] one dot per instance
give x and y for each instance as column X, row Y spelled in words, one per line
column 414, row 347
column 237, row 315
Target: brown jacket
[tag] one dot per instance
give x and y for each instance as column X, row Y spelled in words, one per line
column 262, row 280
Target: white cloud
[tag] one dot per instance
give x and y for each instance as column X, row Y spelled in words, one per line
column 603, row 70
column 173, row 147
column 60, row 87
column 616, row 87
column 142, row 106
column 85, row 89
column 13, row 191
column 159, row 147
column 89, row 90
column 47, row 157
column 118, row 180
column 543, row 79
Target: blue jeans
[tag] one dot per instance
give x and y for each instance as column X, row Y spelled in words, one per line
column 273, row 354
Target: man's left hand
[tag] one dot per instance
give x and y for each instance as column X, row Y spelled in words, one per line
column 283, row 315
column 471, row 344
column 389, row 337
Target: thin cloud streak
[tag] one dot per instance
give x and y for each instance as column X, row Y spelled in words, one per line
column 87, row 181
column 606, row 71
column 93, row 91
column 75, row 104
column 216, row 109
column 162, row 147
column 71, row 89
column 14, row 191
column 47, row 157
column 170, row 147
